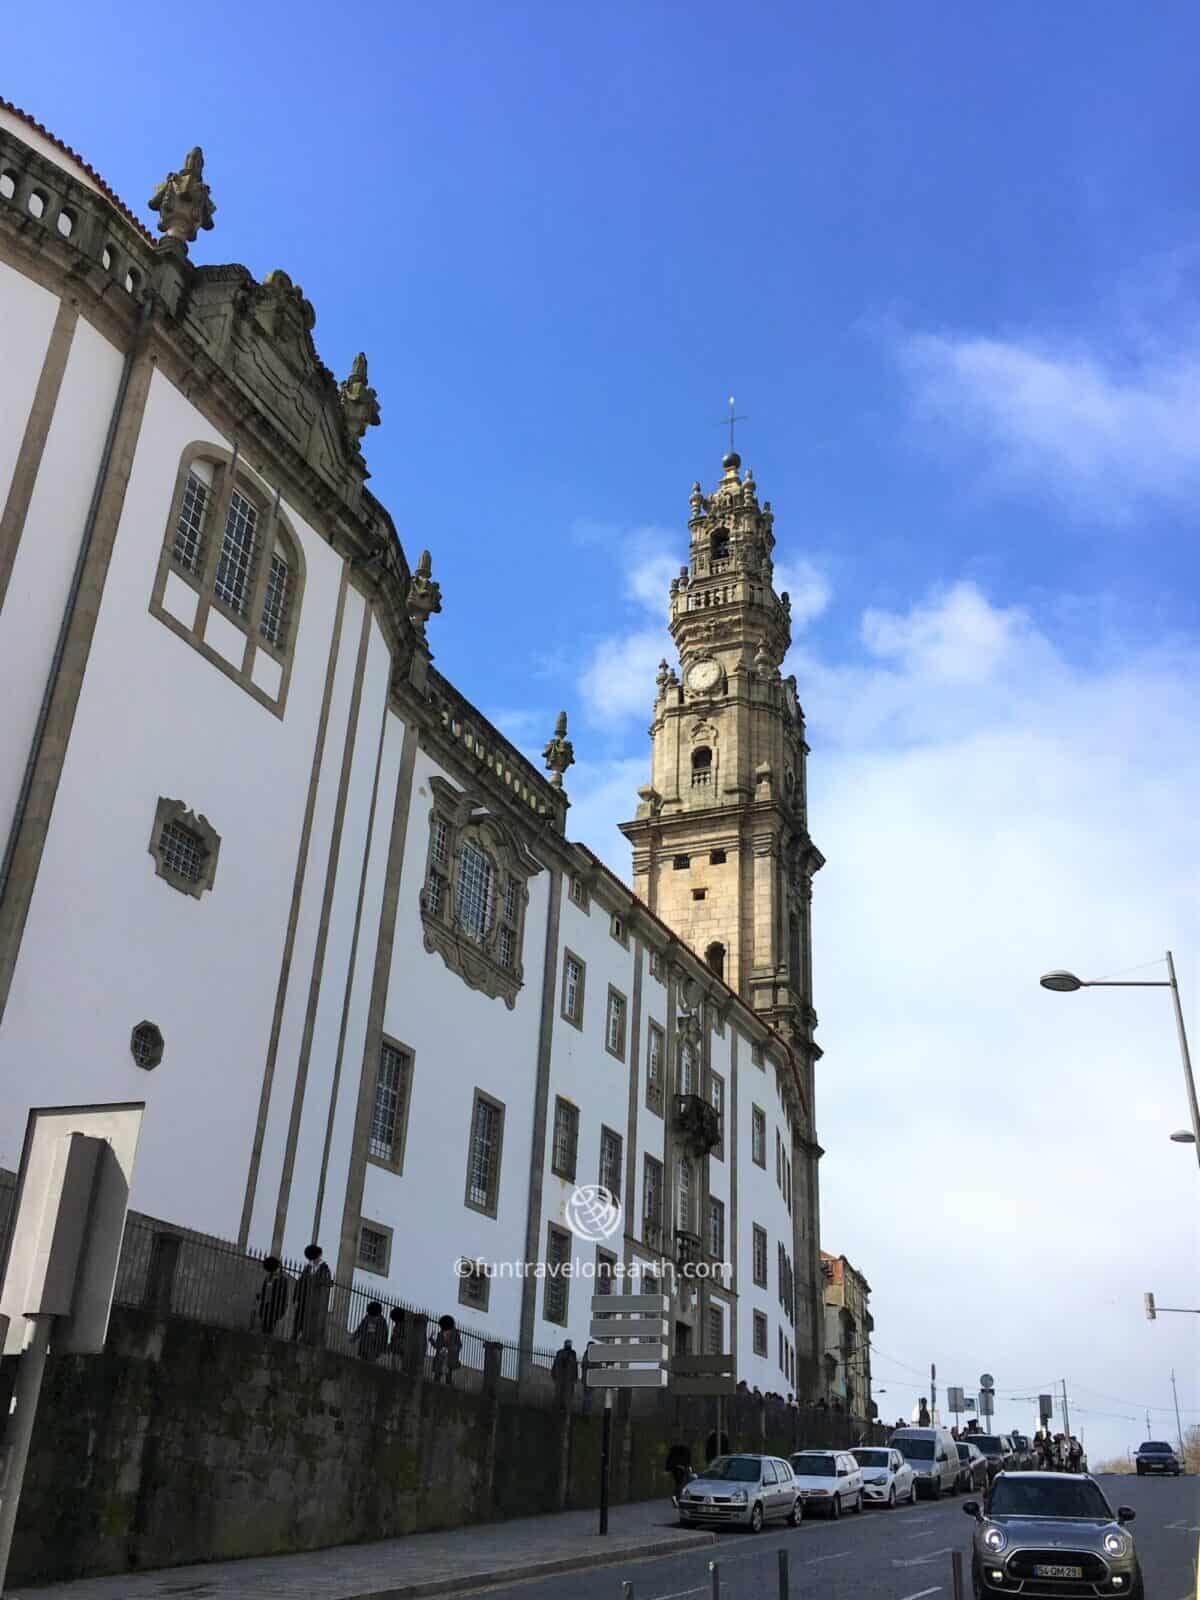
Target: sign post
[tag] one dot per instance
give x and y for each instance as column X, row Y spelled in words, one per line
column 955, row 1402
column 987, row 1395
column 631, row 1354
column 56, row 1284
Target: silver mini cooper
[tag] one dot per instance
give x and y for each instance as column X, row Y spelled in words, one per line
column 1052, row 1533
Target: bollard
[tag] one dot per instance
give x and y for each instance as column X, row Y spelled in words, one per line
column 784, row 1588
column 716, row 1580
column 956, row 1573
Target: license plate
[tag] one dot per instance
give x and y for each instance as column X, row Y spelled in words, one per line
column 1058, row 1572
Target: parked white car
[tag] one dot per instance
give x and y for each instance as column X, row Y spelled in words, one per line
column 887, row 1478
column 829, row 1481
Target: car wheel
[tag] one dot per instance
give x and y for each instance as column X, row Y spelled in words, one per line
column 1139, row 1469
column 935, row 1489
column 912, row 1493
column 858, row 1504
column 892, row 1498
column 756, row 1519
column 835, row 1507
column 796, row 1514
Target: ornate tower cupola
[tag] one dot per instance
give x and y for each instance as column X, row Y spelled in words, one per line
column 720, row 843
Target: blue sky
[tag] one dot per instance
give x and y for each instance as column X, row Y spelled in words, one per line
column 946, row 258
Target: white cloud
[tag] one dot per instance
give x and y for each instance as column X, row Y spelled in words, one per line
column 807, row 587
column 997, row 1157
column 1104, row 430
column 619, row 679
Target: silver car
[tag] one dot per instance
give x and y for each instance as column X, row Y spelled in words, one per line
column 1051, row 1533
column 745, row 1490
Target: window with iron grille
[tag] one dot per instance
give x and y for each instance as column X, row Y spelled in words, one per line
column 566, row 1139
column 758, row 1136
column 275, row 602
column 760, row 1334
column 439, row 842
column 188, row 550
column 614, row 1027
column 655, row 1048
column 504, row 947
column 652, row 1196
column 474, row 1286
column 758, row 1256
column 146, row 1045
column 185, row 847
column 374, row 1247
column 716, row 1330
column 512, row 901
column 389, row 1113
column 558, row 1253
column 572, row 988
column 235, row 568
column 716, row 1229
column 610, row 1163
column 683, row 1198
column 435, row 891
column 474, row 890
column 483, row 1166
column 182, row 851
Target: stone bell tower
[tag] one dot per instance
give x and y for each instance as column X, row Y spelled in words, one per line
column 721, row 849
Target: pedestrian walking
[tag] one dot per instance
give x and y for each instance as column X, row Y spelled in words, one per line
column 371, row 1335
column 312, row 1298
column 565, row 1371
column 446, row 1345
column 395, row 1349
column 271, row 1301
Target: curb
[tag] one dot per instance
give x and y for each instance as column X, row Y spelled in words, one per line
column 531, row 1570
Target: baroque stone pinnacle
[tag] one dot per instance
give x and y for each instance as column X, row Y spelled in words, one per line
column 360, row 403
column 183, row 201
column 559, row 754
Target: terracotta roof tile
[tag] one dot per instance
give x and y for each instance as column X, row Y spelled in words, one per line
column 109, row 194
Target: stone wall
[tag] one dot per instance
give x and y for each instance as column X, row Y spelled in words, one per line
column 184, row 1442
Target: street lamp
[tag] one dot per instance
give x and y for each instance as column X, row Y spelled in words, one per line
column 1067, row 983
column 1183, row 1136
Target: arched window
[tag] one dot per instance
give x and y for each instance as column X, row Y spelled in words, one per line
column 718, row 545
column 231, row 574
column 715, row 957
column 701, row 766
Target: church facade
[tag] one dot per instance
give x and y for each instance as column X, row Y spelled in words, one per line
column 267, row 870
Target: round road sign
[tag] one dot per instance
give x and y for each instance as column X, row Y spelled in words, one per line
column 986, row 1381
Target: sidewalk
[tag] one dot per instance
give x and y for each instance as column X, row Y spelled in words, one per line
column 483, row 1554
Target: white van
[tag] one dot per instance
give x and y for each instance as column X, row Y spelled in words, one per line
column 933, row 1456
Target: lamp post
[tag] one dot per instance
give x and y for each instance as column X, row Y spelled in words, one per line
column 1067, row 982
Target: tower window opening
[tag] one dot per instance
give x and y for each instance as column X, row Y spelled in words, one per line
column 681, row 863
column 717, row 858
column 699, row 894
column 718, row 545
column 701, row 766
column 715, row 957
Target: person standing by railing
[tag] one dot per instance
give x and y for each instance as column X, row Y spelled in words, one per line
column 312, row 1298
column 446, row 1345
column 271, row 1301
column 371, row 1335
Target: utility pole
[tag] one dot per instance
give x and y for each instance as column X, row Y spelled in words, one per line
column 1147, row 1424
column 1178, row 1424
column 1066, row 1409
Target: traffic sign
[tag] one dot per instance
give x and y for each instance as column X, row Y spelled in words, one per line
column 629, row 1348
column 954, row 1400
column 714, row 1374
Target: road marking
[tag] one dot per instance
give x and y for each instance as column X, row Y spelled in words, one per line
column 836, row 1556
column 920, row 1561
column 929, row 1533
column 921, row 1593
column 679, row 1593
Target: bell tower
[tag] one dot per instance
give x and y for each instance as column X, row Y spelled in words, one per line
column 720, row 841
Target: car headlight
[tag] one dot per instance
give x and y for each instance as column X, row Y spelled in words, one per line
column 739, row 1497
column 1115, row 1544
column 995, row 1539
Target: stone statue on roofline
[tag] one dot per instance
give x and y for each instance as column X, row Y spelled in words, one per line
column 183, row 201
column 360, row 403
column 424, row 593
column 559, row 754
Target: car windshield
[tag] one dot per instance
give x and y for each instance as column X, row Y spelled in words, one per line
column 988, row 1444
column 1047, row 1497
column 739, row 1469
column 1157, row 1444
column 914, row 1449
column 871, row 1458
column 814, row 1466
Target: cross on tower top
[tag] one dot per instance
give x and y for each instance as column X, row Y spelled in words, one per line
column 729, row 422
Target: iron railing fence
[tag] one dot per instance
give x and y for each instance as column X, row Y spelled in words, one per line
column 216, row 1282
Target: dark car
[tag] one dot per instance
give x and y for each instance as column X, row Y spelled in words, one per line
column 974, row 1469
column 1051, row 1533
column 997, row 1451
column 1156, row 1456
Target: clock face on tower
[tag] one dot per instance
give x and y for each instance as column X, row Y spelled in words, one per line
column 703, row 676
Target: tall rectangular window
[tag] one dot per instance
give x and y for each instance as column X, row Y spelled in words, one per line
column 716, row 1096
column 778, row 1161
column 758, row 1136
column 716, row 1229
column 687, row 1067
column 273, row 626
column 655, row 1046
column 558, row 1253
column 483, row 1168
column 760, row 1334
column 572, row 989
column 235, row 568
column 759, row 1255
column 610, row 1162
column 475, row 890
column 652, row 1201
column 716, row 1331
column 390, row 1111
column 614, row 1026
column 189, row 530
column 566, row 1139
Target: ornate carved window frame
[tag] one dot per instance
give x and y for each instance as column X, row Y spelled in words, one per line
column 491, row 963
column 176, row 811
column 229, row 473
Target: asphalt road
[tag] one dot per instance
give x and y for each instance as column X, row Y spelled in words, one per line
column 880, row 1555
